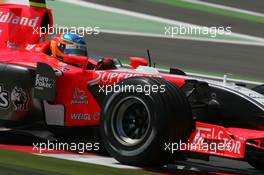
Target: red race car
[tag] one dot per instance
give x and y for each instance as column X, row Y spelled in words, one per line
column 144, row 117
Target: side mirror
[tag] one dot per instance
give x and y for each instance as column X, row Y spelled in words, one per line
column 137, row 61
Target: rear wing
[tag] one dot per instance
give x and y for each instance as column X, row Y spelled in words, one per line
column 21, row 21
column 33, row 3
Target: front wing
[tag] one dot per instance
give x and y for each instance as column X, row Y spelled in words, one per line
column 220, row 141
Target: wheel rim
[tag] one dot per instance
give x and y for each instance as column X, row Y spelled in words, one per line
column 130, row 121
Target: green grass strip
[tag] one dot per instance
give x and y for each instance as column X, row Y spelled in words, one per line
column 21, row 163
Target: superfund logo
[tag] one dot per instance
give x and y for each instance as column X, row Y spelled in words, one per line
column 11, row 18
column 111, row 77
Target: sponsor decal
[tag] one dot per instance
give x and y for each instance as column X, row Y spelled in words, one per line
column 19, row 99
column 4, row 102
column 11, row 18
column 79, row 97
column 106, row 77
column 255, row 95
column 12, row 45
column 65, row 69
column 86, row 116
column 43, row 82
column 206, row 135
column 251, row 94
column 62, row 64
column 31, row 46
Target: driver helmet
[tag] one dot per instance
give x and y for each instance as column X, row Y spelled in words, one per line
column 68, row 44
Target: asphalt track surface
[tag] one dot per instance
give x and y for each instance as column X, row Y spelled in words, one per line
column 216, row 165
column 252, row 5
column 246, row 61
column 240, row 60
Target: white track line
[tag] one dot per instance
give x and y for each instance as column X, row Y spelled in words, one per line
column 217, row 77
column 182, row 38
column 206, row 76
column 151, row 18
column 93, row 159
column 225, row 7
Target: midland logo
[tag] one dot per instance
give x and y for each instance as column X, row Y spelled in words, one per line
column 4, row 102
column 11, row 18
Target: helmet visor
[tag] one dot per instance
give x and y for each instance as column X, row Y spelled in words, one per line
column 74, row 49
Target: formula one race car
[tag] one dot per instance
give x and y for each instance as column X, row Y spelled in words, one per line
column 145, row 117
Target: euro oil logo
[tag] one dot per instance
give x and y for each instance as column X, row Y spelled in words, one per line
column 4, row 103
column 11, row 18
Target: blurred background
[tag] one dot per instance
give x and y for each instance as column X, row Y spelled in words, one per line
column 130, row 27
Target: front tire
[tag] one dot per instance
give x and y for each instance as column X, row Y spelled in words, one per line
column 135, row 127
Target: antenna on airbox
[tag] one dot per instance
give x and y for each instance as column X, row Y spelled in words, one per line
column 149, row 58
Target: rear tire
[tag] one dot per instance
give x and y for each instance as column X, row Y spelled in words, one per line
column 135, row 127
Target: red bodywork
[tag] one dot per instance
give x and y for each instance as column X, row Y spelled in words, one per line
column 19, row 46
